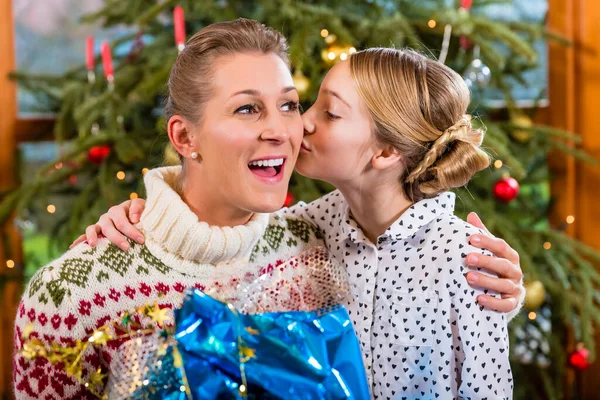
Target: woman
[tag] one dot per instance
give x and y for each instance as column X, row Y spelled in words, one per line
column 389, row 130
column 190, row 230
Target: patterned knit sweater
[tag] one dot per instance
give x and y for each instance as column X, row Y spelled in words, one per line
column 85, row 288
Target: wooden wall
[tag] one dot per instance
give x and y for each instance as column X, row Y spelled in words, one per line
column 574, row 105
column 10, row 291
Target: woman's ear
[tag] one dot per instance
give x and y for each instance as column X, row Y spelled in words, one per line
column 386, row 157
column 181, row 136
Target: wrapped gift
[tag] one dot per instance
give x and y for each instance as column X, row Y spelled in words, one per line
column 279, row 355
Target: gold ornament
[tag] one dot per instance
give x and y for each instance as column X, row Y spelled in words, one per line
column 171, row 155
column 535, row 293
column 99, row 338
column 301, row 82
column 247, row 354
column 158, row 315
column 252, row 331
column 521, row 135
column 97, row 378
column 30, row 327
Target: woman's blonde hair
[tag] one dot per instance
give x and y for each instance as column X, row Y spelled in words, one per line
column 419, row 107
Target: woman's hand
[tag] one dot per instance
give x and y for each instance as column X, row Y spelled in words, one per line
column 505, row 265
column 116, row 225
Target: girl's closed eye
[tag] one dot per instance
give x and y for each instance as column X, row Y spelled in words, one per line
column 331, row 116
column 247, row 109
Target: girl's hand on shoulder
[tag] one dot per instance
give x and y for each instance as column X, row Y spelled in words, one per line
column 506, row 265
column 116, row 225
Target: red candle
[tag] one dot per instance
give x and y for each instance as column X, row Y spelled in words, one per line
column 179, row 25
column 107, row 61
column 466, row 4
column 89, row 53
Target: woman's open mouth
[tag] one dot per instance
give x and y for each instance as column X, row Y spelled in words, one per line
column 269, row 169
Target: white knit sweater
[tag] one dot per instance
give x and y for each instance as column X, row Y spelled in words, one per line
column 85, row 288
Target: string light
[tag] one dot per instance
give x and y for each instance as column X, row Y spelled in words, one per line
column 352, row 50
column 343, row 56
column 58, row 165
column 51, row 208
column 120, row 175
column 331, row 55
column 547, row 245
column 498, row 163
column 570, row 219
column 324, row 33
column 133, row 195
column 10, row 263
column 532, row 315
column 432, row 23
column 144, row 171
column 330, row 39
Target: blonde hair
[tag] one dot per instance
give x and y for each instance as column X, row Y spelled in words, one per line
column 419, row 107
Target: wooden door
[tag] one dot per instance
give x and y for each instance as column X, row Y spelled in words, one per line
column 574, row 102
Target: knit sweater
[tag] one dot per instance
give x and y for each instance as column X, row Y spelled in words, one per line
column 87, row 287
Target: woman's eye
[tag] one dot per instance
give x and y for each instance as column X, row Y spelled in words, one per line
column 292, row 106
column 331, row 116
column 247, row 109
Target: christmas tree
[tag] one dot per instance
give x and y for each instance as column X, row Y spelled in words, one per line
column 111, row 129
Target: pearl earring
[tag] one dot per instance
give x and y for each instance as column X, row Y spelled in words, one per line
column 194, row 155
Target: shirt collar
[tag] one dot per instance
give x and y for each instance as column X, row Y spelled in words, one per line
column 410, row 222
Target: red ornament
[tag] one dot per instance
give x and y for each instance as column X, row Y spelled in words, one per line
column 506, row 189
column 465, row 43
column 289, row 200
column 73, row 180
column 579, row 359
column 98, row 154
column 466, row 4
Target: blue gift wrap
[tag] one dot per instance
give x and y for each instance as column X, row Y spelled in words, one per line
column 284, row 355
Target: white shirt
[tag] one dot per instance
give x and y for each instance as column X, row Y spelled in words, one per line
column 422, row 333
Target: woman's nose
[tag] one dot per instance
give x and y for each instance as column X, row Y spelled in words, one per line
column 276, row 130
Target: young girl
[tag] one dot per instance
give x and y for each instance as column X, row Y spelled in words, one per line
column 390, row 131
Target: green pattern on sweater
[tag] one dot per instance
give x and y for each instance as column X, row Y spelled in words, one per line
column 276, row 232
column 150, row 260
column 299, row 228
column 116, row 259
column 76, row 271
column 57, row 292
column 274, row 235
column 35, row 284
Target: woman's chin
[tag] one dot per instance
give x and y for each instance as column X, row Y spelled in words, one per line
column 267, row 203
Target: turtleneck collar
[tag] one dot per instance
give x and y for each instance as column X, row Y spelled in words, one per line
column 170, row 225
